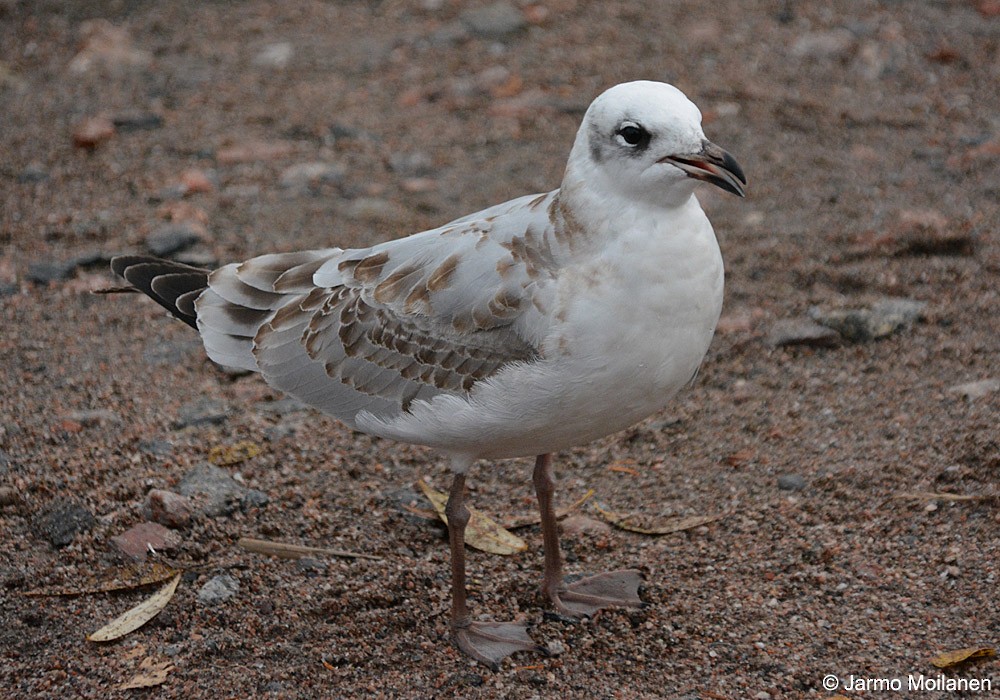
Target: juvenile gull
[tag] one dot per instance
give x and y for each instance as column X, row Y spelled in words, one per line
column 520, row 330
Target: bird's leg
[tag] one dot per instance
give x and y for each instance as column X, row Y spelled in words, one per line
column 587, row 595
column 486, row 642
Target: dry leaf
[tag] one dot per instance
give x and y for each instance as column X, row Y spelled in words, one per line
column 151, row 673
column 481, row 533
column 664, row 527
column 295, row 551
column 561, row 513
column 119, row 579
column 136, row 617
column 227, row 455
column 960, row 656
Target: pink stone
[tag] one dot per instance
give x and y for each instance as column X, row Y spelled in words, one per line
column 137, row 541
column 169, row 508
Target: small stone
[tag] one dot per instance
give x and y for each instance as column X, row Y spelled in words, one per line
column 555, row 648
column 376, row 211
column 823, row 45
column 201, row 412
column 9, row 496
column 213, row 490
column 172, row 238
column 788, row 332
column 137, row 541
column 63, row 521
column 254, row 499
column 763, row 695
column 253, row 151
column 49, row 271
column 196, row 181
column 926, row 232
column 309, row 176
column 169, row 508
column 156, row 448
column 94, row 417
column 791, row 482
column 862, row 325
column 92, row 131
column 218, row 590
column 575, row 525
column 971, row 391
column 310, row 566
column 137, row 121
column 277, row 55
column 412, row 164
column 497, row 21
column 32, row 173
column 109, row 47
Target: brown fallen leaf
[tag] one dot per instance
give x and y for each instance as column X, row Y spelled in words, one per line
column 118, row 579
column 960, row 656
column 664, row 527
column 525, row 521
column 136, row 617
column 482, row 533
column 227, row 455
column 151, row 673
column 295, row 551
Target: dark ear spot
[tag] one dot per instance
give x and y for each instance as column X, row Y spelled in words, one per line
column 594, row 141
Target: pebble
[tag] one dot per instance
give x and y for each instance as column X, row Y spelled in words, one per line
column 136, row 542
column 169, row 508
column 196, row 181
column 791, row 482
column 376, row 210
column 788, row 332
column 575, row 525
column 925, row 232
column 172, row 238
column 253, row 151
column 277, row 55
column 94, row 417
column 137, row 121
column 309, row 176
column 216, row 493
column 156, row 448
column 9, row 496
column 107, row 46
column 32, row 173
column 218, row 590
column 201, row 412
column 497, row 21
column 824, row 45
column 862, row 325
column 310, row 566
column 92, row 132
column 48, row 271
column 970, row 391
column 63, row 521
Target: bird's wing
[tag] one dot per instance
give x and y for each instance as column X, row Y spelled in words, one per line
column 375, row 329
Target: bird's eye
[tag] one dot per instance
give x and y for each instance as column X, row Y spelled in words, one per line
column 633, row 135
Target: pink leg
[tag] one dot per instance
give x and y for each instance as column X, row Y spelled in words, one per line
column 588, row 595
column 486, row 642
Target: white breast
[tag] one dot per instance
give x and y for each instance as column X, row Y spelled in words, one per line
column 629, row 329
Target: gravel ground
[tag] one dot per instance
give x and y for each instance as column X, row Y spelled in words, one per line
column 215, row 131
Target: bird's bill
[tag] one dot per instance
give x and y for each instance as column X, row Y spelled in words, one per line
column 714, row 165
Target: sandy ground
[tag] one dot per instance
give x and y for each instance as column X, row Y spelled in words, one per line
column 871, row 138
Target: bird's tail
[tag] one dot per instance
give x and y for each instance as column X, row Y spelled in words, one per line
column 172, row 285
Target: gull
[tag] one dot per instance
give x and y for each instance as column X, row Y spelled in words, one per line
column 527, row 328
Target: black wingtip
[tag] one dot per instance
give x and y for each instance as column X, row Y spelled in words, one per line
column 164, row 281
